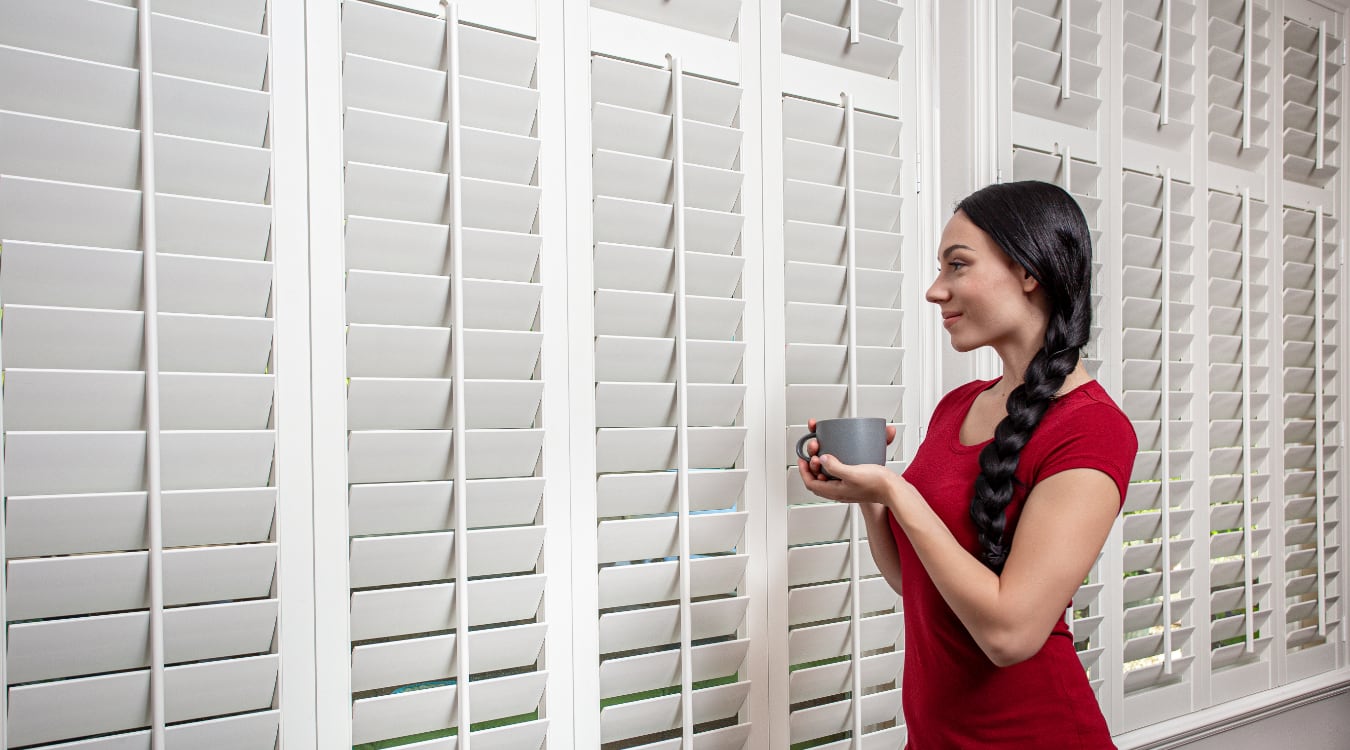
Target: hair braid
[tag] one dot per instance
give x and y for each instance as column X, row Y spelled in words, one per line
column 1041, row 227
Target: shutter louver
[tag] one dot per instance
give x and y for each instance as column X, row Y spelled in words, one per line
column 1159, row 384
column 669, row 397
column 844, row 216
column 1311, row 90
column 1311, row 430
column 1239, row 82
column 132, row 440
column 443, row 340
column 1158, row 92
column 1239, row 431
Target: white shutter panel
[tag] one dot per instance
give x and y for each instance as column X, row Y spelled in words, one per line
column 1311, row 258
column 1311, row 439
column 1159, row 384
column 1056, row 60
column 1239, row 443
column 113, row 464
column 442, row 242
column 1311, row 90
column 1239, row 83
column 1159, row 61
column 845, row 214
column 670, row 389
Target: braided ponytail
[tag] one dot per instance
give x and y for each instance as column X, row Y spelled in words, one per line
column 1041, row 227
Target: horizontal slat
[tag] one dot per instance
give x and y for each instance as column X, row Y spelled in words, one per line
column 414, row 558
column 110, row 703
column 55, row 649
column 421, row 455
column 653, row 448
column 383, row 613
column 817, row 642
column 74, row 524
column 54, row 587
column 381, row 665
column 206, row 52
column 422, row 352
column 654, row 492
column 426, row 506
column 646, row 88
column 416, row 711
column 652, row 359
column 654, row 626
column 655, row 538
column 633, row 674
column 54, row 85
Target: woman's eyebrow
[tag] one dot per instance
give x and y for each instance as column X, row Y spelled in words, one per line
column 951, row 248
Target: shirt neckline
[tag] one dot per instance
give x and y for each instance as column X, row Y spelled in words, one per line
column 955, row 440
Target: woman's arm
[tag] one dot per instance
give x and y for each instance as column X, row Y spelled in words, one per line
column 1063, row 526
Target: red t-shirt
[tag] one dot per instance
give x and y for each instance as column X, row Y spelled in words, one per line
column 954, row 697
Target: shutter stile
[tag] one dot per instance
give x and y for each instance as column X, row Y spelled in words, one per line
column 77, row 362
column 443, row 339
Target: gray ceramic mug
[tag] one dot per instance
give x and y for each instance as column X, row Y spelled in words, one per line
column 853, row 440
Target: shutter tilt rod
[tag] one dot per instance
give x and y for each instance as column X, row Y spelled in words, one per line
column 1065, row 55
column 854, row 21
column 1321, row 94
column 460, row 437
column 682, row 406
column 1318, row 332
column 1166, row 94
column 150, row 347
column 851, row 355
column 1247, row 55
column 1165, row 434
column 1247, row 523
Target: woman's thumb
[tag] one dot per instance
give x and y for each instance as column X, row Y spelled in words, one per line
column 835, row 468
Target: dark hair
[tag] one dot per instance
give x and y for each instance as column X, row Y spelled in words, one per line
column 1041, row 227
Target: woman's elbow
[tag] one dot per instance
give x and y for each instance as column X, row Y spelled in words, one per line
column 1011, row 648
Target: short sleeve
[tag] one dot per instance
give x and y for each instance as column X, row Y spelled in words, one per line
column 1097, row 436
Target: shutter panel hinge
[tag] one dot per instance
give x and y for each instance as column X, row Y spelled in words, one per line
column 918, row 172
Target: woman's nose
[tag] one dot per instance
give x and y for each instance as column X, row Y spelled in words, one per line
column 936, row 292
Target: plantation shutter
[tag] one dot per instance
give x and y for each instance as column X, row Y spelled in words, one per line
column 444, row 392
column 1239, row 83
column 1239, row 442
column 1312, row 61
column 1159, row 383
column 138, row 330
column 670, row 368
column 847, row 206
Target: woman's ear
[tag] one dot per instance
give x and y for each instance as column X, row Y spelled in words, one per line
column 1029, row 282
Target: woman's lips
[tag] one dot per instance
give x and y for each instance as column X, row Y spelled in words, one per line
column 947, row 320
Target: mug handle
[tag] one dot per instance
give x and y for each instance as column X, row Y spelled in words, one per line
column 801, row 445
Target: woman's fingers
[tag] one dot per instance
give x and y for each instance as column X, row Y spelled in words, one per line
column 890, row 433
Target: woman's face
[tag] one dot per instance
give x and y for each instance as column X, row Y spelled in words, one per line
column 986, row 298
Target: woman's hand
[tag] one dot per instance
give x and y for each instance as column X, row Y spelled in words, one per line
column 864, row 483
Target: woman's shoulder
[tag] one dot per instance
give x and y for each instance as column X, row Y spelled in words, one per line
column 1089, row 409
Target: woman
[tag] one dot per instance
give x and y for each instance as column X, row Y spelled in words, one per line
column 1005, row 506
